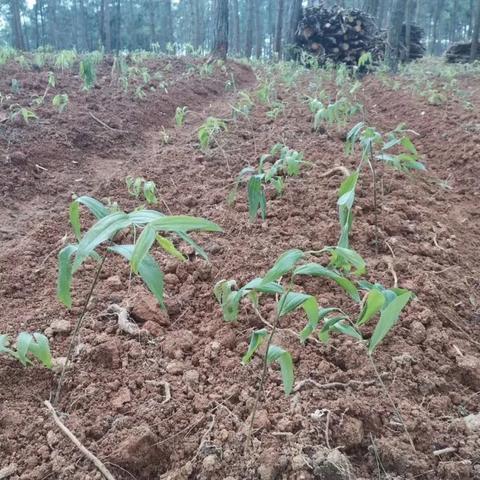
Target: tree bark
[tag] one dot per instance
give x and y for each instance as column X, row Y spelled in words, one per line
column 475, row 33
column 249, row 31
column 258, row 29
column 279, row 26
column 220, row 29
column 235, row 27
column 294, row 16
column 18, row 38
column 167, row 23
column 394, row 33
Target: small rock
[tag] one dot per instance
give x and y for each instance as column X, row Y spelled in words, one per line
column 210, row 463
column 171, row 279
column 123, row 396
column 350, row 432
column 114, row 282
column 176, row 367
column 153, row 328
column 106, row 354
column 472, row 422
column 58, row 364
column 469, row 367
column 272, row 465
column 146, row 308
column 60, row 326
column 331, row 464
column 418, row 332
column 191, row 377
column 261, row 420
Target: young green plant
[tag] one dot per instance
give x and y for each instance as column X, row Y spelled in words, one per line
column 28, row 346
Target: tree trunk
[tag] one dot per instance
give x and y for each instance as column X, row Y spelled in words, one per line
column 437, row 13
column 52, row 22
column 258, row 29
column 107, row 27
column 220, row 29
column 249, row 31
column 235, row 27
column 152, row 21
column 83, row 16
column 167, row 23
column 279, row 25
column 18, row 38
column 371, row 7
column 294, row 16
column 408, row 27
column 37, row 29
column 475, row 33
column 394, row 33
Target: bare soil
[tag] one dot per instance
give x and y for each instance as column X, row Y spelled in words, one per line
column 114, row 396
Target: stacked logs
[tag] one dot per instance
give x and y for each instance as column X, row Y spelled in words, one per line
column 460, row 53
column 342, row 35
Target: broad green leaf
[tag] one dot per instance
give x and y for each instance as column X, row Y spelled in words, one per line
column 408, row 145
column 293, row 300
column 316, row 270
column 167, row 245
column 256, row 197
column 342, row 257
column 142, row 247
column 257, row 338
column 141, row 217
column 258, row 285
column 40, row 349
column 373, row 304
column 98, row 209
column 313, row 323
column 4, row 343
column 184, row 223
column 348, row 329
column 65, row 274
column 74, row 211
column 346, row 192
column 324, row 333
column 228, row 298
column 278, row 354
column 388, row 318
column 148, row 270
column 24, row 340
column 283, row 265
column 100, row 232
column 198, row 249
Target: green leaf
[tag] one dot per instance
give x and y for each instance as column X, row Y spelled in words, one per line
column 342, row 257
column 228, row 299
column 293, row 300
column 4, row 343
column 316, row 270
column 98, row 209
column 278, row 354
column 167, row 245
column 100, row 232
column 257, row 338
column 65, row 274
column 141, row 217
column 258, row 285
column 349, row 330
column 40, row 349
column 324, row 333
column 346, row 192
column 24, row 340
column 388, row 318
column 148, row 270
column 142, row 247
column 283, row 265
column 313, row 323
column 373, row 304
column 74, row 212
column 184, row 223
column 256, row 197
column 198, row 249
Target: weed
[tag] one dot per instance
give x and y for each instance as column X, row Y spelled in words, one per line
column 139, row 186
column 243, row 107
column 165, row 136
column 65, row 59
column 337, row 113
column 88, row 71
column 277, row 108
column 180, row 116
column 266, row 93
column 28, row 345
column 208, row 131
column 288, row 164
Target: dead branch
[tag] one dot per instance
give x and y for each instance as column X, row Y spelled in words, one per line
column 89, row 455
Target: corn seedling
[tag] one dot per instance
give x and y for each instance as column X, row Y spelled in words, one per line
column 60, row 102
column 65, row 59
column 180, row 116
column 208, row 131
column 279, row 283
column 28, row 346
column 288, row 164
column 24, row 113
column 88, row 71
column 147, row 227
column 139, row 186
column 266, row 93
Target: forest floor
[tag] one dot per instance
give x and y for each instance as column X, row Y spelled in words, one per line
column 114, row 396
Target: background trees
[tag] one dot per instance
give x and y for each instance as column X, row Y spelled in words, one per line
column 256, row 27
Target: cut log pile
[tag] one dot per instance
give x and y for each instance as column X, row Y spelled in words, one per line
column 342, row 35
column 460, row 53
